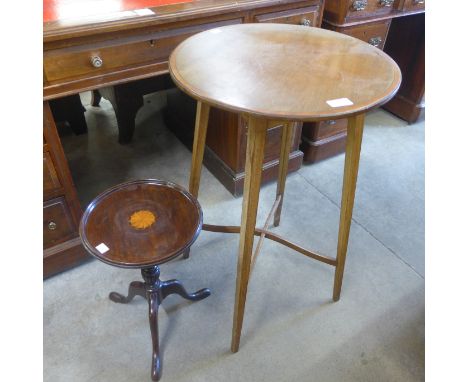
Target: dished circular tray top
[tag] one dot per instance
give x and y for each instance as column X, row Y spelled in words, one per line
column 141, row 223
column 286, row 72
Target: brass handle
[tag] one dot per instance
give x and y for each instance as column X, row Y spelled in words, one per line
column 375, row 41
column 306, row 22
column 359, row 5
column 52, row 226
column 96, row 61
column 386, row 3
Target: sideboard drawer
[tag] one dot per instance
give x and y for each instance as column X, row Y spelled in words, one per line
column 370, row 8
column 316, row 131
column 58, row 224
column 414, row 5
column 308, row 16
column 118, row 54
column 374, row 33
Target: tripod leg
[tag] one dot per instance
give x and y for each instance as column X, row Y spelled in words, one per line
column 136, row 288
column 153, row 303
column 175, row 287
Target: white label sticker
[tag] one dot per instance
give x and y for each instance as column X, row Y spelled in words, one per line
column 143, row 12
column 339, row 102
column 102, row 248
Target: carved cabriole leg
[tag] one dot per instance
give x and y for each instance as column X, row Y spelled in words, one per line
column 353, row 150
column 126, row 118
column 136, row 288
column 126, row 104
column 153, row 295
column 256, row 133
column 286, row 137
column 70, row 109
column 76, row 118
column 199, row 139
column 153, row 304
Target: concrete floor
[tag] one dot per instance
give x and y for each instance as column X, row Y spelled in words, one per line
column 292, row 329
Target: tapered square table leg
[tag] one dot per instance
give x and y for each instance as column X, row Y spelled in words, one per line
column 199, row 139
column 256, row 134
column 353, row 151
column 286, row 137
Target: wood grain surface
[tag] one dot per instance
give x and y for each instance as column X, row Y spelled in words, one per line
column 107, row 221
column 284, row 72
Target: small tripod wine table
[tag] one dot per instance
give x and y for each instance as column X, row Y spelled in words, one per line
column 143, row 224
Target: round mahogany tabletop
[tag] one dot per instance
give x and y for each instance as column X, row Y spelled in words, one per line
column 284, row 72
column 141, row 223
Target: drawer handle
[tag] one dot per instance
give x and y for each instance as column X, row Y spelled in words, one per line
column 306, row 22
column 359, row 5
column 52, row 226
column 375, row 41
column 386, row 3
column 96, row 61
column 330, row 122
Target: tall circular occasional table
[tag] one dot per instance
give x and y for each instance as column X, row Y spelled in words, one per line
column 287, row 73
column 142, row 224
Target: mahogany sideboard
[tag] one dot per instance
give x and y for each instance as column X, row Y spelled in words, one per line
column 95, row 52
column 397, row 27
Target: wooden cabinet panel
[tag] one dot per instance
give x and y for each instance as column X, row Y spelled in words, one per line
column 96, row 59
column 58, row 224
column 321, row 140
column 308, row 16
column 410, row 57
column 374, row 33
column 226, row 141
column 51, row 182
column 272, row 144
column 60, row 164
column 63, row 256
column 316, row 131
column 61, row 213
column 227, row 136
